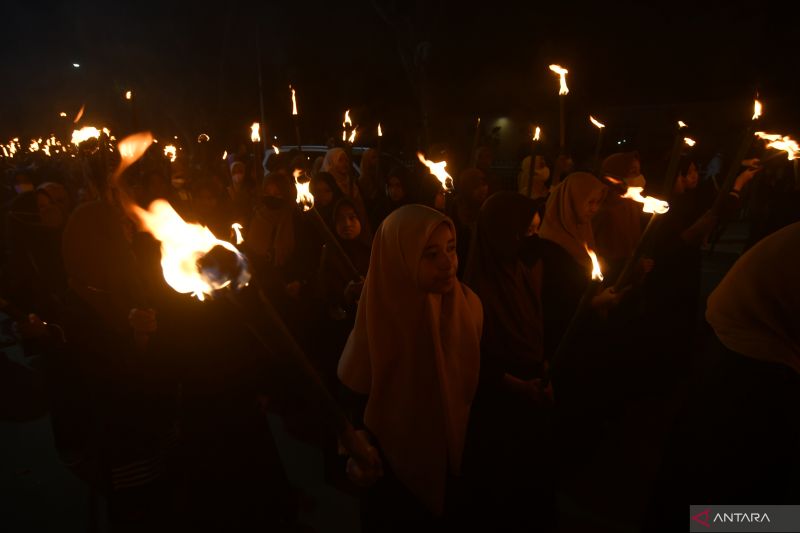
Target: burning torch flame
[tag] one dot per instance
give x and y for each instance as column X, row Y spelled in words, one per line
column 380, row 131
column 537, row 133
column 597, row 274
column 689, row 141
column 237, row 229
column 352, row 138
column 79, row 115
column 225, row 155
column 347, row 121
column 182, row 244
column 34, row 147
column 203, row 138
column 757, row 109
column 681, row 124
column 649, row 204
column 294, row 101
column 596, row 122
column 171, row 152
column 304, row 196
column 128, row 95
column 438, row 170
column 781, row 142
column 62, row 114
column 255, row 134
column 83, row 134
column 562, row 72
column 276, row 149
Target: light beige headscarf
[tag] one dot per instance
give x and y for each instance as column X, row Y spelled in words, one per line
column 416, row 355
column 755, row 310
column 561, row 224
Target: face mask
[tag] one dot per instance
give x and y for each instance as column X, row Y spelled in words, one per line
column 23, row 187
column 637, row 181
column 238, row 178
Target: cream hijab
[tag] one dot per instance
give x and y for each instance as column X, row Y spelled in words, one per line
column 416, row 355
column 561, row 224
column 755, row 310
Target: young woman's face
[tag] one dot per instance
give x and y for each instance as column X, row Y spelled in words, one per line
column 348, row 227
column 437, row 268
column 394, row 189
column 590, row 206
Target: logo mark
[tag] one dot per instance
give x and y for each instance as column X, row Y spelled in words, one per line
column 702, row 518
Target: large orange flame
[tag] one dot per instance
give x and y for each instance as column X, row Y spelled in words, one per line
column 757, row 109
column 562, row 73
column 438, row 170
column 781, row 142
column 649, row 204
column 597, row 274
column 537, row 133
column 689, row 141
column 304, row 197
column 84, row 134
column 255, row 132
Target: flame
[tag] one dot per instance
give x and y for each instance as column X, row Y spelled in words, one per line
column 106, row 131
column 276, row 149
column 347, row 121
column 131, row 148
column 128, row 95
column 182, row 245
column 438, row 170
column 781, row 142
column 80, row 114
column 649, row 204
column 294, row 101
column 62, row 114
column 689, row 141
column 344, row 136
column 596, row 122
column 203, row 138
column 304, row 196
column 380, row 131
column 224, row 155
column 255, row 134
column 171, row 152
column 5, row 151
column 757, row 109
column 562, row 72
column 237, row 229
column 537, row 133
column 34, row 146
column 83, row 134
column 352, row 138
column 597, row 274
column 681, row 124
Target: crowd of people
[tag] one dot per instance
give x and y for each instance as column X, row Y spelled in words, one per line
column 436, row 322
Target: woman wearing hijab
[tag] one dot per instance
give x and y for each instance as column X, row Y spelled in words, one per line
column 397, row 192
column 737, row 438
column 414, row 353
column 509, row 433
column 326, row 195
column 532, row 182
column 337, row 164
column 113, row 397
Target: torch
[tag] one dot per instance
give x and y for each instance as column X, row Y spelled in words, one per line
column 195, row 262
column 583, row 306
column 563, row 91
column 599, row 146
column 255, row 138
column 782, row 143
column 650, row 205
column 380, row 151
column 296, row 118
column 537, row 133
column 476, row 139
column 741, row 153
column 306, row 200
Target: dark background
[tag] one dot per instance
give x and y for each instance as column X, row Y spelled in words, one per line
column 426, row 70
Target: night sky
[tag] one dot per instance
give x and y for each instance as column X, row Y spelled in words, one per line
column 194, row 69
